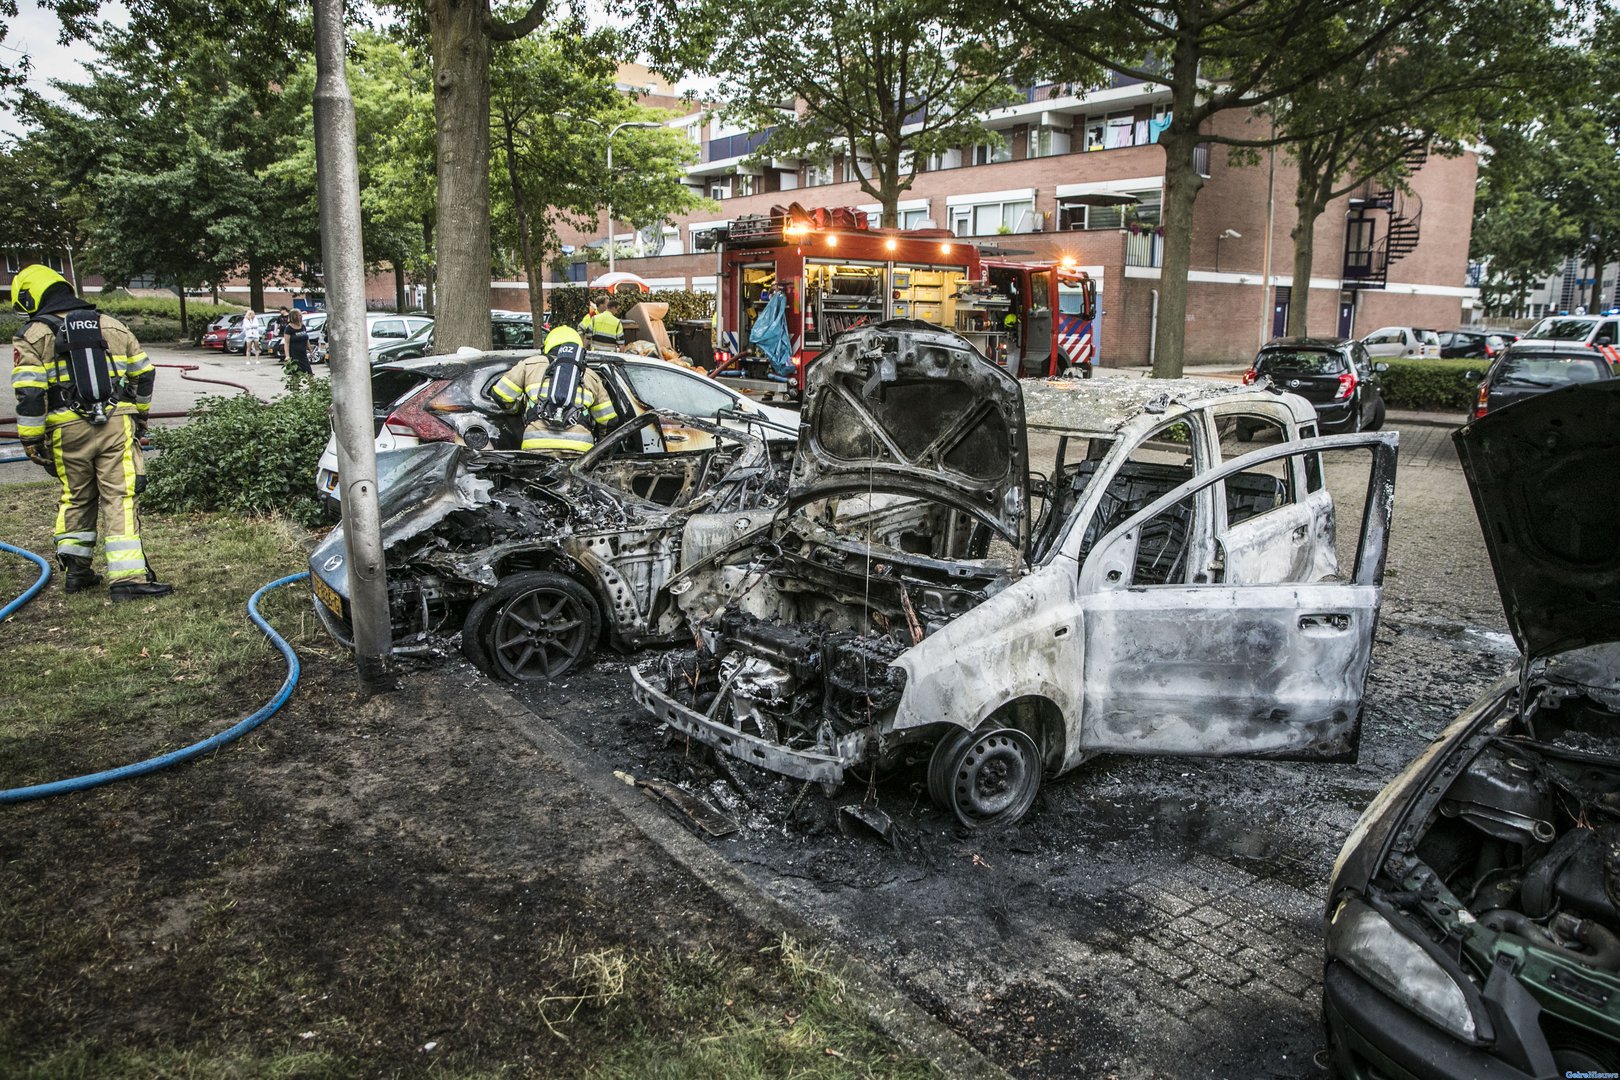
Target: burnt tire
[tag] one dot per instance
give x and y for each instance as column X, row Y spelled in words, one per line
column 532, row 627
column 987, row 778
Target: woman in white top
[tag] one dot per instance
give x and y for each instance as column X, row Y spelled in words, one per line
column 251, row 335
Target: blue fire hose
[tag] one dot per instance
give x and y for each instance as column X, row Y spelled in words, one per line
column 185, row 753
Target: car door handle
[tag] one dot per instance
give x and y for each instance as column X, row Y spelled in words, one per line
column 673, row 437
column 1325, row 622
column 1302, row 532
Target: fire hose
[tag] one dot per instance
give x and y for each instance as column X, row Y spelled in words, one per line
column 185, row 753
column 185, row 373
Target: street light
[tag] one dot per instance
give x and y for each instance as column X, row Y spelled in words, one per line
column 1229, row 234
column 614, row 130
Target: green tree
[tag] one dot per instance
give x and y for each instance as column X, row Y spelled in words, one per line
column 1214, row 57
column 1429, row 90
column 41, row 214
column 885, row 85
column 553, row 97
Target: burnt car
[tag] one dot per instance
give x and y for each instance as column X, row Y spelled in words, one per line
column 538, row 562
column 1150, row 588
column 1334, row 374
column 1524, row 371
column 1474, row 912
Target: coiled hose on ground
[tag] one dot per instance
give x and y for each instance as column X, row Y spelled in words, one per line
column 185, row 753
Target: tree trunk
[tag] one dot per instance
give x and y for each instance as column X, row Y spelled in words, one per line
column 1598, row 263
column 399, row 288
column 520, row 208
column 461, row 45
column 1308, row 207
column 185, row 327
column 1181, row 184
column 255, row 284
column 431, row 277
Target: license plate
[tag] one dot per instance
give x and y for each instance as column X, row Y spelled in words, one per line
column 327, row 595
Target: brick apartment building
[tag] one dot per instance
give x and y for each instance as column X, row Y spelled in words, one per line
column 1045, row 195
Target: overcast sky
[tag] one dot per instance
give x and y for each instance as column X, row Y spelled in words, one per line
column 34, row 34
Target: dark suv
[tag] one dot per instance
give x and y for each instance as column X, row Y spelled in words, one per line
column 1334, row 374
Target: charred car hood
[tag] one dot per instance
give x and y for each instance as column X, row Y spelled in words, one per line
column 1545, row 475
column 907, row 408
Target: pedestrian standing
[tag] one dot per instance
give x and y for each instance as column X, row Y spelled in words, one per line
column 295, row 344
column 83, row 387
column 251, row 329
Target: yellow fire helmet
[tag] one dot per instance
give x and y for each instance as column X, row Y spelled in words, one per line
column 28, row 287
column 562, row 335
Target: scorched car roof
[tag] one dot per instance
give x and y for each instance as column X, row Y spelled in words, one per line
column 1103, row 405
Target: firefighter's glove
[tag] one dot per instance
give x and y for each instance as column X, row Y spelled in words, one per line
column 39, row 454
column 140, row 484
column 140, row 427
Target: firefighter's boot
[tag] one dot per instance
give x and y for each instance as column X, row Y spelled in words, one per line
column 150, row 589
column 77, row 574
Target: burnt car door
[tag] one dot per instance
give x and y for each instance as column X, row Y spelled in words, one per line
column 1194, row 663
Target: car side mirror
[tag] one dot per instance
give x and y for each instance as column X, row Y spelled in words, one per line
column 1604, row 341
column 1380, row 368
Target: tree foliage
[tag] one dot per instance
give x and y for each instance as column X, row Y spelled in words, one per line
column 884, row 85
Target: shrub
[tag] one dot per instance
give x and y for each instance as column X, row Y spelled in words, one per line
column 242, row 455
column 1440, row 385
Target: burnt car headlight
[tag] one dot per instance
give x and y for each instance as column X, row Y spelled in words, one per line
column 1376, row 949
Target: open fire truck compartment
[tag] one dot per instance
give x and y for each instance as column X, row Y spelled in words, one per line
column 835, row 272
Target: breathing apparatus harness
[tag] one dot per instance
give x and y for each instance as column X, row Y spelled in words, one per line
column 79, row 342
column 559, row 399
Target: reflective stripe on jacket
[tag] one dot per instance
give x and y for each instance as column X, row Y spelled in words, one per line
column 525, row 386
column 40, row 378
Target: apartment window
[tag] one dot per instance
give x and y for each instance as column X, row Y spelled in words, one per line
column 947, row 159
column 913, row 219
column 1048, row 141
column 744, row 184
column 992, row 153
column 1146, row 211
column 1109, row 132
column 991, row 218
column 1072, row 215
column 720, row 189
column 818, row 173
column 56, row 262
column 13, row 262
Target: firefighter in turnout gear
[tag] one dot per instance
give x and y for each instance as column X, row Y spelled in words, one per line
column 561, row 399
column 83, row 388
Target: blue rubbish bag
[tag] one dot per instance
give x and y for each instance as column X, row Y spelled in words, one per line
column 769, row 334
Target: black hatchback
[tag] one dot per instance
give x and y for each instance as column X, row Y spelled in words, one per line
column 1524, row 371
column 1334, row 374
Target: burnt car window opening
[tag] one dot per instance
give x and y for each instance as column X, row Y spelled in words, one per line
column 1548, row 370
column 1158, row 465
column 1301, row 362
column 667, row 387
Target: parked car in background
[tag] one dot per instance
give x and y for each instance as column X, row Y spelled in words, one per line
column 1403, row 342
column 508, row 330
column 1334, row 374
column 386, row 329
column 1600, row 332
column 219, row 330
column 1473, row 914
column 1528, row 369
column 929, row 590
column 447, row 399
column 1467, row 344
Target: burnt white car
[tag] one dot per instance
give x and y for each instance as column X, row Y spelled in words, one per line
column 1151, row 588
column 1474, row 912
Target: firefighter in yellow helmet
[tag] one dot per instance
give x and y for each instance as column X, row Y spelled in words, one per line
column 560, row 397
column 83, row 388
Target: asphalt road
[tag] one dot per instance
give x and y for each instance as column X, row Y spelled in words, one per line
column 1153, row 917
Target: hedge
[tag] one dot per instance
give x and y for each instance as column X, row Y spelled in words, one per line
column 568, row 304
column 1432, row 385
column 242, row 455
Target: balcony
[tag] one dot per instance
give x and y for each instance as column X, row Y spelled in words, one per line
column 1144, row 249
column 735, row 146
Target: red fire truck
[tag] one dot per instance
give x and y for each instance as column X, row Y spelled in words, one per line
column 834, row 271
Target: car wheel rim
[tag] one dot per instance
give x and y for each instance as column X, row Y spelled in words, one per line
column 994, row 778
column 539, row 634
